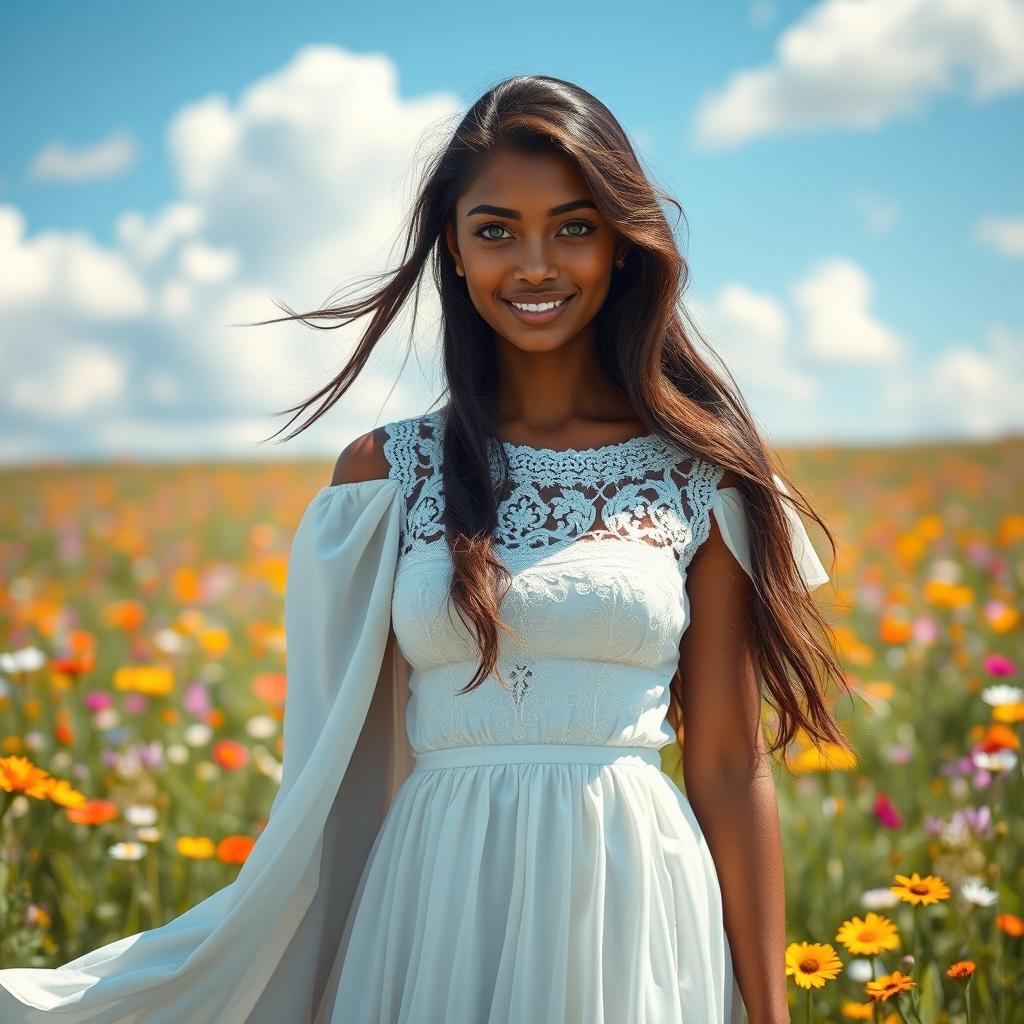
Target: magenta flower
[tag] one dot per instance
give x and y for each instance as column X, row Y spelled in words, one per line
column 96, row 700
column 999, row 665
column 886, row 813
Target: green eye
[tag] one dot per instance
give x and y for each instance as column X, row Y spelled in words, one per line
column 579, row 224
column 487, row 227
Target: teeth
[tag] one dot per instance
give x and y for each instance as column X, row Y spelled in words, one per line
column 537, row 307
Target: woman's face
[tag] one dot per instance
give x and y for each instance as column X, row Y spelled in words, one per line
column 527, row 230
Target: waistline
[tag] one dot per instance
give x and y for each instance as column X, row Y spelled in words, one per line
column 536, row 753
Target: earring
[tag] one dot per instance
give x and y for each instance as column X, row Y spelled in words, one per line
column 460, row 272
column 620, row 262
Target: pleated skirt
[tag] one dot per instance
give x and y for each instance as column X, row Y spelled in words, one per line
column 536, row 884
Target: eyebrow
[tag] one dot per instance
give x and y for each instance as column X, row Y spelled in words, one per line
column 504, row 211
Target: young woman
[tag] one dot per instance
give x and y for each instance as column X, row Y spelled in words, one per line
column 473, row 830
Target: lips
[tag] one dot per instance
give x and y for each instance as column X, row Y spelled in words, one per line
column 541, row 316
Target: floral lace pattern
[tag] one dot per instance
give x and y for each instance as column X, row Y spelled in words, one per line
column 643, row 489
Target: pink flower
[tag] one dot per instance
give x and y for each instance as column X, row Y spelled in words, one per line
column 999, row 665
column 96, row 700
column 886, row 813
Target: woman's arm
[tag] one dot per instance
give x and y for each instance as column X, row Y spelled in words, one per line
column 727, row 774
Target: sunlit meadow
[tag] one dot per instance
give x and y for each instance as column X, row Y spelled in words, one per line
column 142, row 688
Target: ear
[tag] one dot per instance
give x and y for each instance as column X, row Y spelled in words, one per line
column 452, row 243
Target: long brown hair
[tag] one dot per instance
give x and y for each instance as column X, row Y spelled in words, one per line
column 645, row 341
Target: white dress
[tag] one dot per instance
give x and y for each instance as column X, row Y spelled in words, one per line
column 514, row 854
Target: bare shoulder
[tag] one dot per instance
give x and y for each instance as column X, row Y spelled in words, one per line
column 363, row 459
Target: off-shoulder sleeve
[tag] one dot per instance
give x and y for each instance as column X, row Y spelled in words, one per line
column 262, row 949
column 729, row 510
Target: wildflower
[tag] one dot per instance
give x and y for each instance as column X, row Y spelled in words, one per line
column 878, row 899
column 127, row 851
column 975, row 892
column 889, row 985
column 886, row 812
column 998, row 665
column 195, row 847
column 1002, row 694
column 915, row 889
column 230, row 754
column 25, row 659
column 812, row 963
column 868, row 936
column 1011, row 924
column 93, row 812
column 235, row 849
column 154, row 680
column 961, row 969
column 19, row 775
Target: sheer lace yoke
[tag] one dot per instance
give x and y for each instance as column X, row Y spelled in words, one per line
column 644, row 490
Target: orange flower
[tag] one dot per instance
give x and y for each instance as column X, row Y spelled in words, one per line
column 271, row 687
column 235, row 849
column 93, row 812
column 230, row 754
column 1011, row 924
column 124, row 614
column 889, row 985
column 915, row 889
column 999, row 737
column 19, row 775
column 961, row 969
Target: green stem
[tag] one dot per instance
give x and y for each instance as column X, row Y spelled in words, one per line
column 808, row 1006
column 967, row 999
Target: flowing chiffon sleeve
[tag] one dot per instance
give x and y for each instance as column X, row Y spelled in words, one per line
column 729, row 510
column 262, row 949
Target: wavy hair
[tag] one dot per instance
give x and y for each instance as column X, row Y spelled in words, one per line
column 645, row 339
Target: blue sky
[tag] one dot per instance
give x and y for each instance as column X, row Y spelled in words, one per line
column 851, row 175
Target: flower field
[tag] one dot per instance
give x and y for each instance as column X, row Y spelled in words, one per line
column 142, row 683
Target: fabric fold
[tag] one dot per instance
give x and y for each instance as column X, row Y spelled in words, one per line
column 261, row 949
column 729, row 510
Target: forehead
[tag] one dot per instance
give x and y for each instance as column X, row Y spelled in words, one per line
column 530, row 182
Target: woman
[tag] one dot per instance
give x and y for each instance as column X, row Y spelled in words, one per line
column 470, row 830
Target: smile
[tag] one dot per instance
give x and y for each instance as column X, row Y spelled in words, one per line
column 538, row 312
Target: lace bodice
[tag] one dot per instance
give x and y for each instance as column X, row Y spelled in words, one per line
column 642, row 490
column 597, row 542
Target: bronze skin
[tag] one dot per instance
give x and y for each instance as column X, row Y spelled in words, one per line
column 528, row 229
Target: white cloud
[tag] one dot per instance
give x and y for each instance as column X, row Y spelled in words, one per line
column 751, row 331
column 80, row 381
column 969, row 389
column 107, row 158
column 1004, row 234
column 838, row 326
column 289, row 192
column 861, row 63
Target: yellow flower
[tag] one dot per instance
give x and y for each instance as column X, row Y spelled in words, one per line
column 196, row 847
column 63, row 793
column 812, row 963
column 154, row 680
column 915, row 889
column 829, row 757
column 889, row 985
column 868, row 937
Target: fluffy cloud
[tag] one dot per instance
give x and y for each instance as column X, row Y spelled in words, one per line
column 839, row 328
column 286, row 193
column 861, row 63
